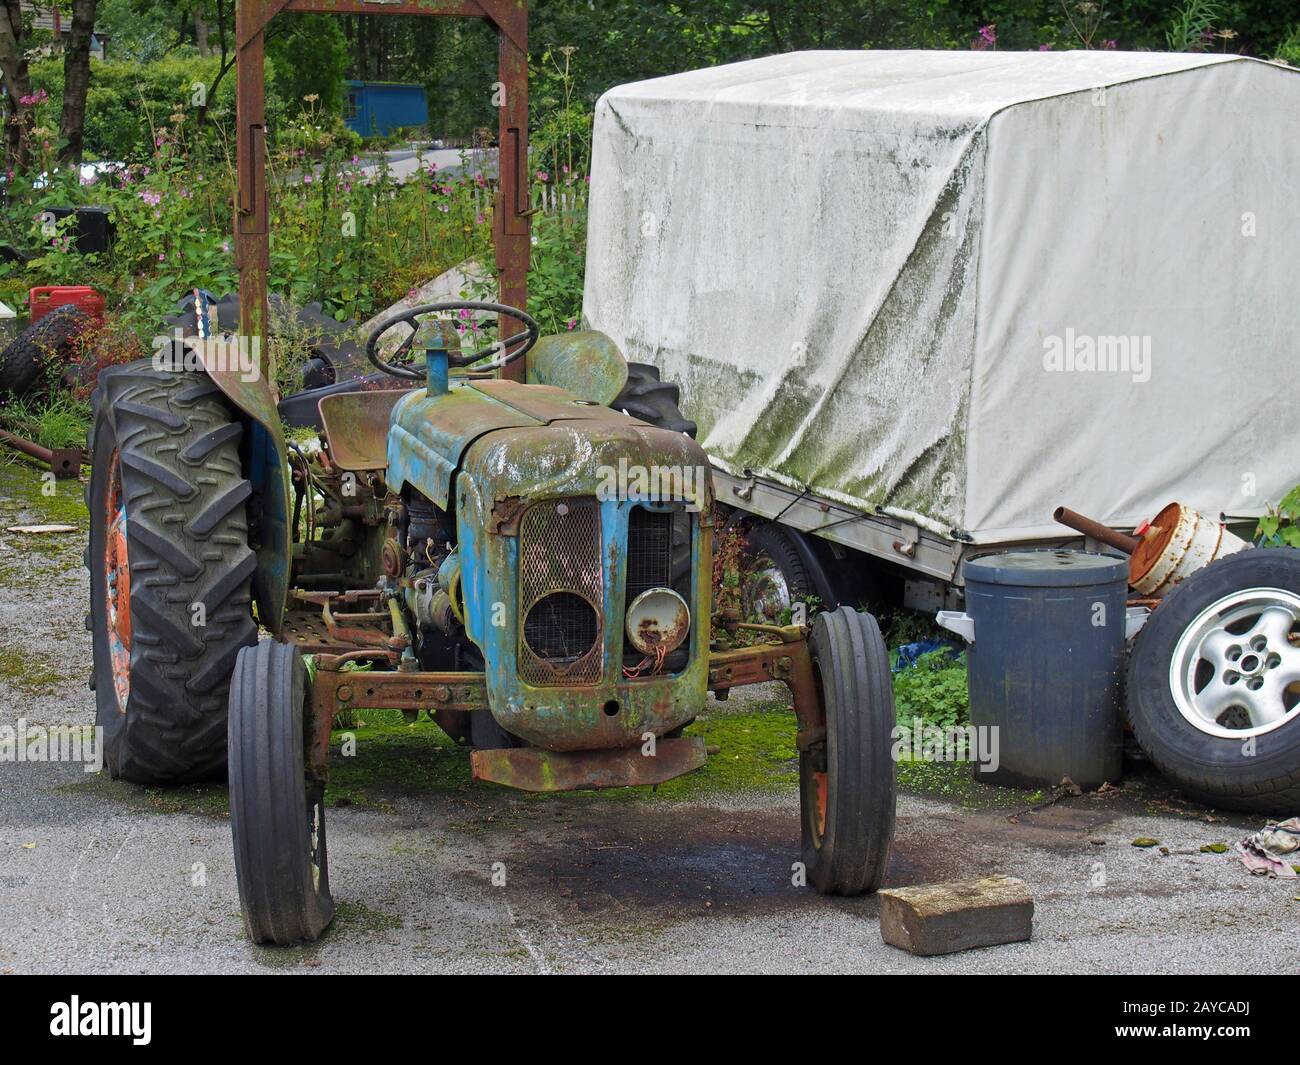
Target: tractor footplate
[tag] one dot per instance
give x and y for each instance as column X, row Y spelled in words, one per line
column 533, row 769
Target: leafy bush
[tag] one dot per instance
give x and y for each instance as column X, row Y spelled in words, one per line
column 129, row 104
column 934, row 689
column 1281, row 525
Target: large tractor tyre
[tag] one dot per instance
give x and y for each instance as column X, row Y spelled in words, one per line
column 1213, row 684
column 652, row 400
column 277, row 811
column 774, row 578
column 170, row 570
column 23, row 363
column 846, row 785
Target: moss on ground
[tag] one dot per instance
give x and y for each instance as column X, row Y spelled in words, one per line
column 29, row 672
column 955, row 782
column 22, row 502
column 393, row 758
column 203, row 800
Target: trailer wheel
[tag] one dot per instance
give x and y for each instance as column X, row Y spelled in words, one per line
column 170, row 571
column 277, row 811
column 846, row 785
column 774, row 578
column 1213, row 686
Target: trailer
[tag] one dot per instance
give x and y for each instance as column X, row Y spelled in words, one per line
column 915, row 301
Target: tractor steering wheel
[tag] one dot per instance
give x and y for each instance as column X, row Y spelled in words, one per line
column 507, row 350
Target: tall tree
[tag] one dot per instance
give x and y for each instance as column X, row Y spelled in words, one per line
column 17, row 84
column 76, row 80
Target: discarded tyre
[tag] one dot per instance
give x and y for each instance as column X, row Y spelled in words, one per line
column 646, row 397
column 23, row 363
column 1214, row 683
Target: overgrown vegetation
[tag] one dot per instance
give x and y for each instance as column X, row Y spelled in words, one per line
column 1281, row 525
column 934, row 690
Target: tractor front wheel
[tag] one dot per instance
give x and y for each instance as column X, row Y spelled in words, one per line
column 277, row 810
column 846, row 784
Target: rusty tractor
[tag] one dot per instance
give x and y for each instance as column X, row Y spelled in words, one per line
column 492, row 540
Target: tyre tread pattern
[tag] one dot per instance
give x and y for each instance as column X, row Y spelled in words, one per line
column 184, row 551
column 281, row 904
column 858, row 691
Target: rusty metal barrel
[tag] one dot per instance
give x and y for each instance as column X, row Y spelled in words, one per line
column 1175, row 544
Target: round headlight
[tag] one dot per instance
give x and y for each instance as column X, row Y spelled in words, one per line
column 658, row 621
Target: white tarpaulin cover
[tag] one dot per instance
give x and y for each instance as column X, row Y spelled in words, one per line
column 966, row 287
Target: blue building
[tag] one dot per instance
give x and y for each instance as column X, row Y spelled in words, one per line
column 376, row 108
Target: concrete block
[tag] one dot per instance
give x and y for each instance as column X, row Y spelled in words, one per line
column 931, row 919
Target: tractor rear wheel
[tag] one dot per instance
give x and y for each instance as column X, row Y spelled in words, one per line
column 170, row 571
column 846, row 785
column 277, row 811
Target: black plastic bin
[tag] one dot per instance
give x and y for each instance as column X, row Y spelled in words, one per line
column 1046, row 663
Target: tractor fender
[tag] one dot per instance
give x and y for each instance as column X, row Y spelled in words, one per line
column 585, row 363
column 265, row 457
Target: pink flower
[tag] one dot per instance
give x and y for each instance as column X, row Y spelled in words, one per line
column 153, row 199
column 225, row 245
column 1044, row 47
column 542, row 175
column 162, row 258
column 306, row 179
column 573, row 323
column 989, row 34
column 1108, row 46
column 479, row 218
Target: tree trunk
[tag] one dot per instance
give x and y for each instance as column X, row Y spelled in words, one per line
column 17, row 83
column 76, row 79
column 201, row 33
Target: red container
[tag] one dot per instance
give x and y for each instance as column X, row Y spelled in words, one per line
column 44, row 298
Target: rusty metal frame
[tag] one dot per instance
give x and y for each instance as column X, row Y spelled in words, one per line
column 510, row 225
column 64, row 462
column 789, row 662
column 533, row 769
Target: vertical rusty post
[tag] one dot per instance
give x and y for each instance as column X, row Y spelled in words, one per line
column 510, row 224
column 252, row 235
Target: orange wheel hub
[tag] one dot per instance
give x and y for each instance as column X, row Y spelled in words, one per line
column 117, row 576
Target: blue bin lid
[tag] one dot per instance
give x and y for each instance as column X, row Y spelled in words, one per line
column 1047, row 568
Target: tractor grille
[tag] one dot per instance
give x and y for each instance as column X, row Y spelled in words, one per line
column 649, row 550
column 658, row 556
column 560, row 593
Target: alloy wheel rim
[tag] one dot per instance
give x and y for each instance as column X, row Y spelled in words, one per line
column 1235, row 671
